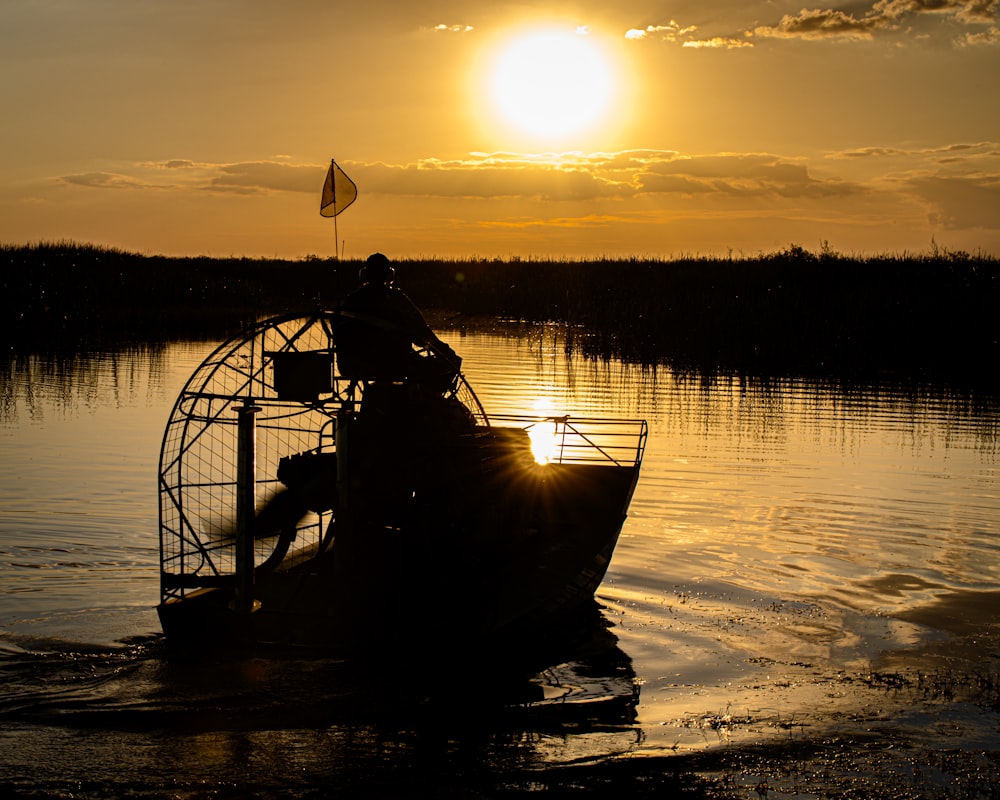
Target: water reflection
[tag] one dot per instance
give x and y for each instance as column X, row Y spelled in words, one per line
column 782, row 530
column 35, row 384
column 156, row 717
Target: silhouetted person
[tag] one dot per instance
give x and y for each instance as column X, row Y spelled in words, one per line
column 408, row 418
column 379, row 327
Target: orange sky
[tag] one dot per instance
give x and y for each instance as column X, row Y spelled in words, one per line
column 636, row 128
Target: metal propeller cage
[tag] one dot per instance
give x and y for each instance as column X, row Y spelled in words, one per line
column 282, row 373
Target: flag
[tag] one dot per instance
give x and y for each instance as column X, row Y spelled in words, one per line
column 339, row 191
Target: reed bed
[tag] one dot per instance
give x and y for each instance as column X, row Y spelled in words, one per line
column 919, row 317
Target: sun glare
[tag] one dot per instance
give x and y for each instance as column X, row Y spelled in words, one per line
column 544, row 443
column 551, row 83
column 543, row 433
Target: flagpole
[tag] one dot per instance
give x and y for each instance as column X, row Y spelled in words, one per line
column 336, row 241
column 336, row 235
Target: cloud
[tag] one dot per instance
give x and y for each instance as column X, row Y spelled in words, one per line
column 958, row 183
column 675, row 32
column 579, row 177
column 883, row 16
column 176, row 163
column 960, row 202
column 723, row 42
column 740, row 174
column 990, row 36
column 105, row 180
column 967, row 11
column 670, row 32
column 252, row 177
column 549, row 177
column 489, row 176
column 587, row 221
column 442, row 28
column 950, row 151
column 266, row 176
column 816, row 24
column 823, row 24
column 867, row 152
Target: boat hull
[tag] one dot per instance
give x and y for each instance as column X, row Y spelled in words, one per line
column 536, row 550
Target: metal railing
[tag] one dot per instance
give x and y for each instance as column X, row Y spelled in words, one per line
column 581, row 440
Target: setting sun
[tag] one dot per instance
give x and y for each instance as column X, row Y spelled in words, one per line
column 550, row 83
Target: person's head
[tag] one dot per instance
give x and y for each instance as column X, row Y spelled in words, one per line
column 377, row 269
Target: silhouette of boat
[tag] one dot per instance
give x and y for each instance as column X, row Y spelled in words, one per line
column 301, row 507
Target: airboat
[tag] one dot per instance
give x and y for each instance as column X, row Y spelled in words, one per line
column 299, row 505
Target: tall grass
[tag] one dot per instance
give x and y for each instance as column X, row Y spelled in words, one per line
column 929, row 316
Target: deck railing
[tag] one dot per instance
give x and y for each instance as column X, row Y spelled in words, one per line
column 581, row 440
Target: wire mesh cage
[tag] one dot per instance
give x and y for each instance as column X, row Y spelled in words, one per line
column 280, row 378
column 282, row 373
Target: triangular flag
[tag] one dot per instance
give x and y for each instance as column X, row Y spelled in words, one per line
column 339, row 191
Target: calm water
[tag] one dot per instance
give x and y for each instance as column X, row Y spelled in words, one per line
column 789, row 545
